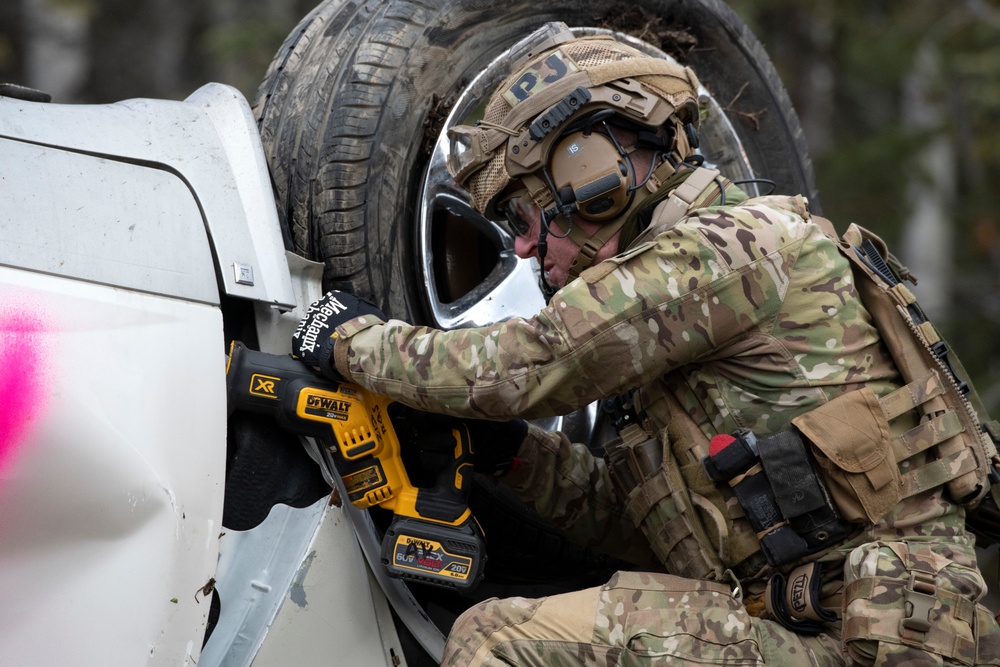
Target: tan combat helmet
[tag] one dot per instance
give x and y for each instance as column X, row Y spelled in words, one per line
column 549, row 125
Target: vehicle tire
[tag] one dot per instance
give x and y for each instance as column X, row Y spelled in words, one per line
column 352, row 108
column 354, row 98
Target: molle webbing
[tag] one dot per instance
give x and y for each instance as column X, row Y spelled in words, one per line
column 931, row 432
column 966, row 455
column 658, row 502
column 695, row 530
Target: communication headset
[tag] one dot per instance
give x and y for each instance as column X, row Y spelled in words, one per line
column 590, row 172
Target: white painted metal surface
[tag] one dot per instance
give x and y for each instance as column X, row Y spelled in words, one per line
column 329, row 612
column 193, row 140
column 120, row 226
column 111, row 479
column 256, row 570
column 105, row 221
column 229, row 113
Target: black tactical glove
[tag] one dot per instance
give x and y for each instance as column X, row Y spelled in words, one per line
column 312, row 341
column 494, row 444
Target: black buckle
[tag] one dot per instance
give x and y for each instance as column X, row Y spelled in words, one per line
column 940, row 350
column 919, row 598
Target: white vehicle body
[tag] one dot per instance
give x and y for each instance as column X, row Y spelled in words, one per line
column 124, row 229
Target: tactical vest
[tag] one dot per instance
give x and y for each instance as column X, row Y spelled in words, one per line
column 698, row 528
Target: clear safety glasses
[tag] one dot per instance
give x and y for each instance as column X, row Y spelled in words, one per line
column 519, row 212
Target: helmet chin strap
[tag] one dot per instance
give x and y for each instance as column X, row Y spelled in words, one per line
column 548, row 215
column 548, row 290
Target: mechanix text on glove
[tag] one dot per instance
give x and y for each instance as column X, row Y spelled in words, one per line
column 312, row 341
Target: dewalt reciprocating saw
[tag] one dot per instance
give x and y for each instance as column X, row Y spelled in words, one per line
column 433, row 537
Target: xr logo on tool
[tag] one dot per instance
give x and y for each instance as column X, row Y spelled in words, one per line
column 264, row 385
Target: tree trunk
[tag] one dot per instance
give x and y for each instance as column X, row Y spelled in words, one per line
column 144, row 49
column 928, row 230
column 54, row 48
column 12, row 40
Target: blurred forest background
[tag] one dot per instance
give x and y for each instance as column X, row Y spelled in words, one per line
column 900, row 102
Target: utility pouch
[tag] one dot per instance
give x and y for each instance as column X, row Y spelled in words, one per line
column 657, row 502
column 852, row 447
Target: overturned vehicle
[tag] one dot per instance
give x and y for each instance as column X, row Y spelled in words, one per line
column 143, row 517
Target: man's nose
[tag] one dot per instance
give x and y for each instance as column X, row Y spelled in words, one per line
column 525, row 245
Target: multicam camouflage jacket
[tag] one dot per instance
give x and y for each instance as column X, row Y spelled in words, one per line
column 746, row 313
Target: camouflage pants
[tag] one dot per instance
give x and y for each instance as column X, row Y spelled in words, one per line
column 658, row 619
column 634, row 619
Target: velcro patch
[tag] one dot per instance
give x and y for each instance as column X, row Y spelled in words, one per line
column 539, row 76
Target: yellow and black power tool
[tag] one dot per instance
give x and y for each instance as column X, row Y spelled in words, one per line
column 433, row 537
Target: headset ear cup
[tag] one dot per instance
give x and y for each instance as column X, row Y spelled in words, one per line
column 614, row 202
column 599, row 177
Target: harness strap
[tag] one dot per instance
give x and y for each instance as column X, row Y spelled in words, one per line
column 670, row 212
column 919, row 617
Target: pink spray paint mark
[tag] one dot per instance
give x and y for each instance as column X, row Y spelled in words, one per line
column 21, row 379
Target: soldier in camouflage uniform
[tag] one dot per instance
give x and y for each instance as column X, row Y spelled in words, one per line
column 716, row 314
